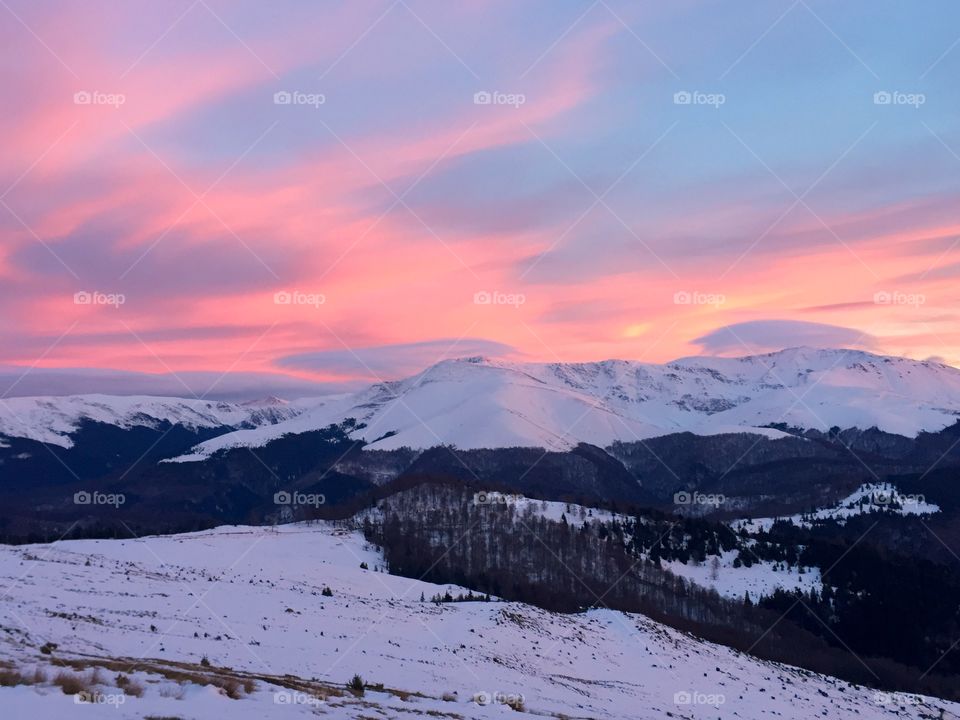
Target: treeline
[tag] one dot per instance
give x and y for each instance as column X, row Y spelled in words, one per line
column 875, row 601
column 439, row 533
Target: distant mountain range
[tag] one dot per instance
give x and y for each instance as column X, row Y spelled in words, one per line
column 54, row 420
column 477, row 402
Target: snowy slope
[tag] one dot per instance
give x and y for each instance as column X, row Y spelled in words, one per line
column 250, row 600
column 483, row 403
column 53, row 419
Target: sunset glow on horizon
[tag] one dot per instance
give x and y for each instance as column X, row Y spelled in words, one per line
column 315, row 195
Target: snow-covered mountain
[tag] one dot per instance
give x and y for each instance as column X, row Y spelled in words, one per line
column 53, row 419
column 237, row 621
column 483, row 403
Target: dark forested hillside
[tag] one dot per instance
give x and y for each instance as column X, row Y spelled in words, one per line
column 237, row 486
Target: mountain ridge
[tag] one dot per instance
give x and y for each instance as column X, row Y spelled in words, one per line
column 478, row 402
column 53, row 419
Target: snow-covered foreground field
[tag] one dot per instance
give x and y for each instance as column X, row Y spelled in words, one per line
column 250, row 601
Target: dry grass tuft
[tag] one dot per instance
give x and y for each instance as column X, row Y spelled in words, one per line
column 71, row 683
column 230, row 687
column 11, row 678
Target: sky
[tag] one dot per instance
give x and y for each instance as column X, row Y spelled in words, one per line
column 209, row 197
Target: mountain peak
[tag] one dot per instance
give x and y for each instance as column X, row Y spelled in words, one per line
column 268, row 401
